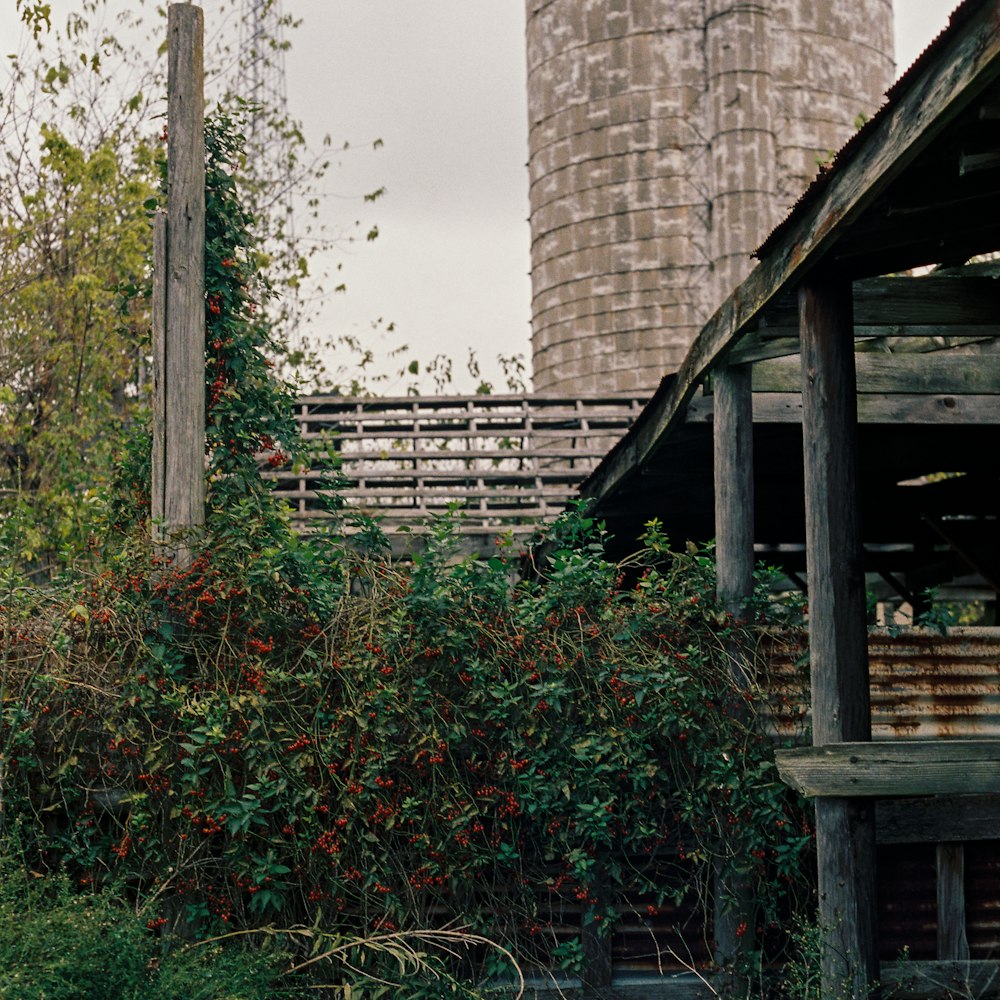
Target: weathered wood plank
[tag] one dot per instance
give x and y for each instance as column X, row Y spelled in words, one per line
column 948, row 82
column 733, row 435
column 946, row 980
column 734, row 531
column 952, row 943
column 899, row 768
column 184, row 432
column 838, row 642
column 939, row 301
column 937, row 372
column 783, row 342
column 942, row 818
column 158, row 477
column 902, row 408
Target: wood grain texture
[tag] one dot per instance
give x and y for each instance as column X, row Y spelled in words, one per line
column 158, row 497
column 184, row 459
column 935, row 410
column 941, row 818
column 898, row 768
column 845, row 860
column 933, row 373
column 734, row 502
column 838, row 642
column 952, row 943
column 841, row 709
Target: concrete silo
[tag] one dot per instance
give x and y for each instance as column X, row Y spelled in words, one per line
column 666, row 138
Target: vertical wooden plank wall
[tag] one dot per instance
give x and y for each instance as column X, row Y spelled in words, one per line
column 841, row 711
column 178, row 470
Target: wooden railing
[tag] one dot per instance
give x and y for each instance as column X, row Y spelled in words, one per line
column 506, row 461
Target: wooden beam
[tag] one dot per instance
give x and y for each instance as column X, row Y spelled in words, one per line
column 838, row 641
column 931, row 820
column 935, row 301
column 734, row 535
column 782, row 342
column 183, row 485
column 158, row 487
column 936, row 372
column 952, row 943
column 897, row 768
column 872, row 408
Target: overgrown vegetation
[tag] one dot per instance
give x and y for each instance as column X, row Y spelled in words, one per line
column 396, row 774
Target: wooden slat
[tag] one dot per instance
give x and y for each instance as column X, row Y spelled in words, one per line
column 765, row 344
column 938, row 301
column 931, row 820
column 432, row 434
column 902, row 408
column 900, row 768
column 937, row 372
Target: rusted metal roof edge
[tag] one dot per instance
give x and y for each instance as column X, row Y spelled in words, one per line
column 964, row 61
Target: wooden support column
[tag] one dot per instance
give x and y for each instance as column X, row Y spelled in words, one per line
column 734, row 511
column 178, row 475
column 841, row 711
column 734, row 560
column 952, row 942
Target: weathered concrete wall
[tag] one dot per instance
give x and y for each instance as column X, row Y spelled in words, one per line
column 666, row 138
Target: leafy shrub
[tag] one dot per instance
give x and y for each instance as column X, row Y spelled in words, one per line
column 299, row 732
column 60, row 944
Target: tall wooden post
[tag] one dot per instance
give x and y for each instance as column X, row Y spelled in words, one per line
column 732, row 419
column 734, row 511
column 178, row 476
column 838, row 649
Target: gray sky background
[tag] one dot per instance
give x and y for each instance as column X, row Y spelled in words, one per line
column 442, row 84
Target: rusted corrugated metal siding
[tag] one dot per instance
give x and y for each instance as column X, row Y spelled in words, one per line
column 923, row 685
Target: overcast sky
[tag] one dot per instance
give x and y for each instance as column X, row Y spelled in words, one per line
column 442, row 84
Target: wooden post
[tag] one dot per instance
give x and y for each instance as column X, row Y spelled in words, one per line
column 952, row 941
column 734, row 559
column 179, row 407
column 838, row 648
column 158, row 498
column 734, row 511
